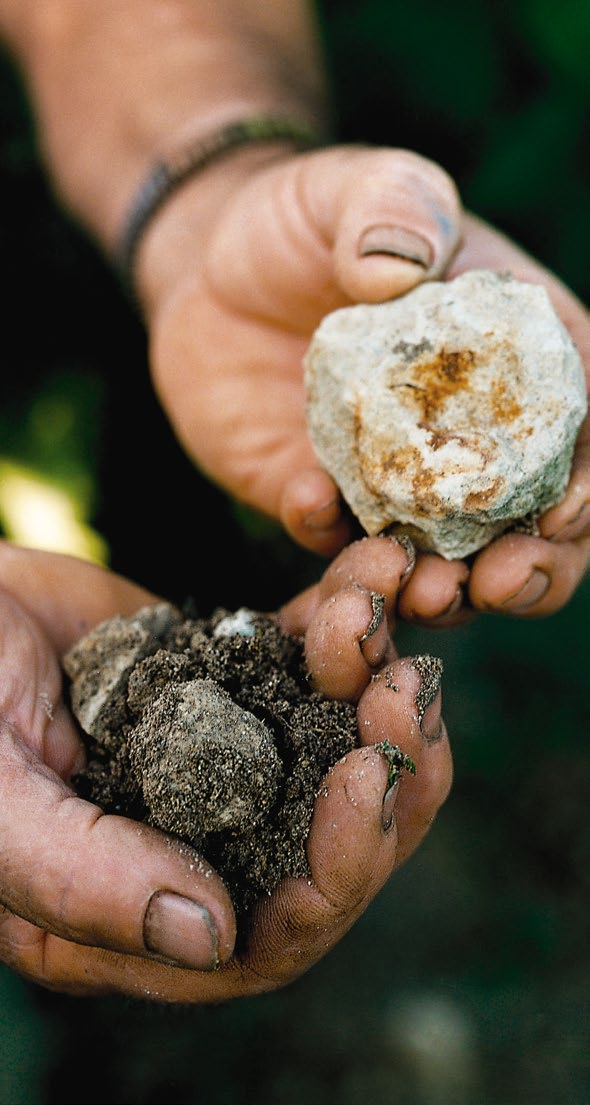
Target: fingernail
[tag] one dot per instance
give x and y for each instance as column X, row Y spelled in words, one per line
column 372, row 649
column 387, row 809
column 325, row 516
column 181, row 931
column 395, row 241
column 575, row 527
column 531, row 592
column 410, row 550
column 430, row 669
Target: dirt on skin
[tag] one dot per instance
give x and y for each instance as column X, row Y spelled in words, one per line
column 209, row 730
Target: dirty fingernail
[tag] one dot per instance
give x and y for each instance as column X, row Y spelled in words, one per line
column 325, row 516
column 391, row 796
column 430, row 669
column 396, row 241
column 531, row 592
column 409, row 548
column 372, row 643
column 180, row 930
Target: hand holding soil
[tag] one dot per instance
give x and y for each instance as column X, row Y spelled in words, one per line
column 101, row 903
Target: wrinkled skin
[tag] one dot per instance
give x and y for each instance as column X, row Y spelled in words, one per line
column 230, row 312
column 83, row 892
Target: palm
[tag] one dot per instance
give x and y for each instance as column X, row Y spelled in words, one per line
column 238, row 405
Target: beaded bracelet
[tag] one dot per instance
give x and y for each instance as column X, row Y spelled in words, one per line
column 167, row 176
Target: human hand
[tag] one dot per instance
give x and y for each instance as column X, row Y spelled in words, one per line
column 232, row 298
column 95, row 903
column 230, row 322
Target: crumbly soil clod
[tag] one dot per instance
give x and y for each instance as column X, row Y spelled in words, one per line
column 208, row 729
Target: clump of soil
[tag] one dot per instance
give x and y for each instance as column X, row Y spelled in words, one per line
column 208, row 729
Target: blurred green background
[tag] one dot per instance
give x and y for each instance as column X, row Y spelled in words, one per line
column 467, row 982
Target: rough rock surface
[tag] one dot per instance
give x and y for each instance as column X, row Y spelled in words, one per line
column 449, row 414
column 208, row 729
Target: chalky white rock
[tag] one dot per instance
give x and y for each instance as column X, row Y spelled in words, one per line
column 450, row 414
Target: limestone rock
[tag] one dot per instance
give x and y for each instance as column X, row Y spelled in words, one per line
column 99, row 665
column 213, row 766
column 449, row 414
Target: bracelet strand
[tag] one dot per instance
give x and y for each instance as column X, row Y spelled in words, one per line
column 166, row 177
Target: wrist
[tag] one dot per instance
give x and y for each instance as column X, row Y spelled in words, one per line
column 121, row 85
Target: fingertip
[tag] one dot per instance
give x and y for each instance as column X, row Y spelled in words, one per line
column 526, row 576
column 380, row 564
column 388, row 710
column 377, row 277
column 349, row 850
column 569, row 519
column 346, row 640
column 566, row 525
column 402, row 706
column 311, row 510
column 399, row 225
column 435, row 592
column 195, row 918
column 499, row 573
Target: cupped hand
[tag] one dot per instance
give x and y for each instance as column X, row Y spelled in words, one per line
column 95, row 903
column 230, row 316
column 78, row 887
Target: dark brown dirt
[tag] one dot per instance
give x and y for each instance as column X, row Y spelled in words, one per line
column 208, row 729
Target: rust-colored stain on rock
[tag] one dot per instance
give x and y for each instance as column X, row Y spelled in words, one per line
column 450, row 372
column 479, row 500
column 409, row 464
column 449, row 413
column 436, row 380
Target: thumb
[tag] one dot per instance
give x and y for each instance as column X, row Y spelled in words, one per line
column 318, row 231
column 97, row 879
column 393, row 217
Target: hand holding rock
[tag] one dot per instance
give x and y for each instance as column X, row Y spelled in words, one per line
column 450, row 414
